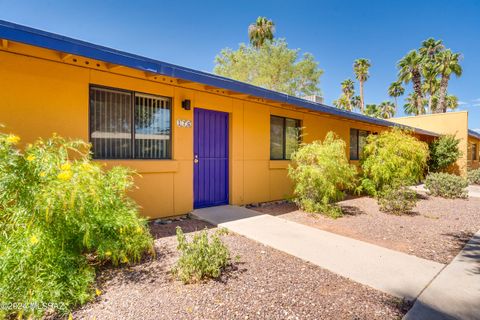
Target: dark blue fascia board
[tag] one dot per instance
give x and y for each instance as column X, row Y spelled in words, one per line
column 474, row 133
column 18, row 33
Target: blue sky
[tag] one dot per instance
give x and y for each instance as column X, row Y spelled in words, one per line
column 191, row 33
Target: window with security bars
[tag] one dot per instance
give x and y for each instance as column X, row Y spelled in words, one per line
column 129, row 125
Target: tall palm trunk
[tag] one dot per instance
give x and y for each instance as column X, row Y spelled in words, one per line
column 396, row 105
column 417, row 87
column 430, row 101
column 443, row 93
column 362, row 106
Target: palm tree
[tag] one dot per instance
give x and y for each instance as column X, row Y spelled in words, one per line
column 372, row 110
column 430, row 83
column 360, row 68
column 451, row 102
column 430, row 48
column 348, row 90
column 260, row 31
column 386, row 110
column 343, row 103
column 413, row 105
column 396, row 90
column 409, row 70
column 355, row 102
column 448, row 63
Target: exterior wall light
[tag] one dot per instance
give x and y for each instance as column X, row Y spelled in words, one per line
column 186, row 104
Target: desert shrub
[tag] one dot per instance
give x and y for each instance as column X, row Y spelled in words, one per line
column 443, row 153
column 60, row 215
column 321, row 173
column 392, row 159
column 446, row 185
column 474, row 176
column 397, row 200
column 200, row 258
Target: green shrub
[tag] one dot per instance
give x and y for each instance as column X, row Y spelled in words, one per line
column 397, row 200
column 443, row 153
column 201, row 258
column 321, row 173
column 474, row 176
column 391, row 159
column 61, row 214
column 446, row 185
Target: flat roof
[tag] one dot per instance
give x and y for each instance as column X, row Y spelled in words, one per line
column 23, row 34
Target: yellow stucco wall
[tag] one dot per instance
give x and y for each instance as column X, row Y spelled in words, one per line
column 43, row 92
column 455, row 123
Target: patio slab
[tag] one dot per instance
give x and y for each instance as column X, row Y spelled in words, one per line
column 455, row 292
column 393, row 272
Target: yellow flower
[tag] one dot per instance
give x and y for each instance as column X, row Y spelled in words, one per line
column 139, row 229
column 98, row 292
column 108, row 253
column 125, row 259
column 12, row 139
column 33, row 240
column 87, row 167
column 65, row 175
column 66, row 166
column 42, row 174
column 31, row 157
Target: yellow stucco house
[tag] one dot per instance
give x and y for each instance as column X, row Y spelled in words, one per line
column 197, row 139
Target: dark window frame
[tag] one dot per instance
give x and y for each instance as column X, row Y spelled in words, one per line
column 132, row 122
column 358, row 151
column 284, row 142
column 474, row 152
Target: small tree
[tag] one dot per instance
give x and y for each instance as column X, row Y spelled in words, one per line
column 443, row 153
column 321, row 173
column 61, row 215
column 392, row 159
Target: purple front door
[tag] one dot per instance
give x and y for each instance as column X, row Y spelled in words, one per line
column 210, row 167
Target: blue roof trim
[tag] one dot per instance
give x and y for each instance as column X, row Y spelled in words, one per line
column 14, row 32
column 474, row 133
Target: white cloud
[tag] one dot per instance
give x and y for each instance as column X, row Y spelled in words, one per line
column 461, row 103
column 476, row 104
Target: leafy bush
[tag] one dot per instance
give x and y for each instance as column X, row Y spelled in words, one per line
column 397, row 200
column 446, row 185
column 443, row 153
column 202, row 257
column 61, row 214
column 392, row 159
column 474, row 176
column 321, row 173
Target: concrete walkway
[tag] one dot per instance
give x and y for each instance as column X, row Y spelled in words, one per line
column 393, row 272
column 455, row 292
column 473, row 190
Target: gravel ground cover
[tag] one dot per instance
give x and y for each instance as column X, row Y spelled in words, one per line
column 263, row 284
column 437, row 228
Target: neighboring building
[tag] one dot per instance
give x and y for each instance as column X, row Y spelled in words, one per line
column 197, row 139
column 455, row 123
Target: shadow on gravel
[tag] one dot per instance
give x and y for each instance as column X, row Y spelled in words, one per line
column 351, row 211
column 167, row 230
